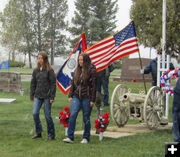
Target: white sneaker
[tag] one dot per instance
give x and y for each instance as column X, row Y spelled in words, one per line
column 84, row 140
column 67, row 140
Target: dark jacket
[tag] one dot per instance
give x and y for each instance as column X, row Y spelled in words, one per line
column 106, row 72
column 88, row 90
column 152, row 67
column 43, row 84
column 177, row 88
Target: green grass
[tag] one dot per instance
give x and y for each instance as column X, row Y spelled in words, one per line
column 116, row 72
column 17, row 127
column 18, row 70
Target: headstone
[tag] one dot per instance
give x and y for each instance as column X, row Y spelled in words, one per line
column 131, row 70
column 10, row 82
column 5, row 100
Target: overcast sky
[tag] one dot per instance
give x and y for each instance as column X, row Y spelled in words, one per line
column 123, row 19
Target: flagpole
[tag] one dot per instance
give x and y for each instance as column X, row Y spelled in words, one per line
column 140, row 60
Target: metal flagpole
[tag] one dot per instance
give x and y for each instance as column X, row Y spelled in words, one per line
column 140, row 60
column 164, row 53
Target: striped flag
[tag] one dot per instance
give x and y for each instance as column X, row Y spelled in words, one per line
column 65, row 74
column 114, row 47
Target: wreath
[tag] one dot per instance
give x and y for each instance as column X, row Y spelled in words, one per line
column 167, row 75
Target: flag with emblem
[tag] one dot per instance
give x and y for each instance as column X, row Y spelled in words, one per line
column 65, row 74
column 4, row 65
column 114, row 47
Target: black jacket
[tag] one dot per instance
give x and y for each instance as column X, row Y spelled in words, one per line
column 85, row 90
column 152, row 67
column 43, row 84
column 106, row 72
column 177, row 88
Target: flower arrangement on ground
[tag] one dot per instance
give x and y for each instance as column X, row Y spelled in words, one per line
column 102, row 123
column 64, row 116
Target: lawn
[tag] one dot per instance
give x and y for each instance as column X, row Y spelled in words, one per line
column 24, row 71
column 16, row 129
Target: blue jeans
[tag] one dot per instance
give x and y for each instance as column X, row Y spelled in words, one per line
column 47, row 112
column 104, row 82
column 76, row 105
column 176, row 117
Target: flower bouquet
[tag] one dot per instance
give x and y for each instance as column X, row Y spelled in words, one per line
column 101, row 124
column 64, row 116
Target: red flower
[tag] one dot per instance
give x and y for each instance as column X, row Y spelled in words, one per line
column 101, row 130
column 66, row 109
column 102, row 122
column 106, row 121
column 64, row 116
column 60, row 113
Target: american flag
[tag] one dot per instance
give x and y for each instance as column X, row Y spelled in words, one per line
column 114, row 47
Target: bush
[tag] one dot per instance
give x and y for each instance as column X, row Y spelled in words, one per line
column 16, row 64
column 118, row 64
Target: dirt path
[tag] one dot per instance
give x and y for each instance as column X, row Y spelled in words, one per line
column 127, row 130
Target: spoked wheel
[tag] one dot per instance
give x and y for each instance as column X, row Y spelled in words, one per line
column 119, row 110
column 154, row 107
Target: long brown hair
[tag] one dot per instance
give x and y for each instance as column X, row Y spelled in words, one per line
column 46, row 64
column 84, row 69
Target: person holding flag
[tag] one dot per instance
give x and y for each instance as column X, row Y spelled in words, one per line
column 82, row 95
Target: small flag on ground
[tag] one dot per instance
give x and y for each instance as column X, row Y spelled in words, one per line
column 4, row 65
column 114, row 47
column 66, row 71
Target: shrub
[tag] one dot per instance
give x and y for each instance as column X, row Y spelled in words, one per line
column 118, row 64
column 16, row 64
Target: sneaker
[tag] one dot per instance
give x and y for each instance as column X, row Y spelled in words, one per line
column 84, row 140
column 67, row 140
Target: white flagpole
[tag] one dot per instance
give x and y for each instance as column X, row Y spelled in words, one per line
column 164, row 52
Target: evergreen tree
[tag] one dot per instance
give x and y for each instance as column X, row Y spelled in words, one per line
column 55, row 26
column 96, row 18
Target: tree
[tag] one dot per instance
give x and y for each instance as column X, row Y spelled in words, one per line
column 28, row 24
column 54, row 26
column 148, row 20
column 96, row 18
column 11, row 33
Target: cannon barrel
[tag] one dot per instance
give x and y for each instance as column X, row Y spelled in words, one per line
column 134, row 98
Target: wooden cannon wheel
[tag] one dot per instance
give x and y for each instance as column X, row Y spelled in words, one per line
column 154, row 107
column 119, row 111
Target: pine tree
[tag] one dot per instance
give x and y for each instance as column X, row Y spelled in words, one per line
column 55, row 26
column 96, row 18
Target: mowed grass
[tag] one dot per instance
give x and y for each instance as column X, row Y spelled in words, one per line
column 17, row 127
column 25, row 71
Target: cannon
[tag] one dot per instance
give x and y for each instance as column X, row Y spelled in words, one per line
column 149, row 108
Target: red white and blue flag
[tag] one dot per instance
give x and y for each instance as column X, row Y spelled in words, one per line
column 114, row 47
column 65, row 74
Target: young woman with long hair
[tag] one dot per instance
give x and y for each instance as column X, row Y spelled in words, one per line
column 82, row 96
column 43, row 89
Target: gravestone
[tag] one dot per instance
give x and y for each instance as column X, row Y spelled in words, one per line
column 10, row 82
column 131, row 70
column 6, row 100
